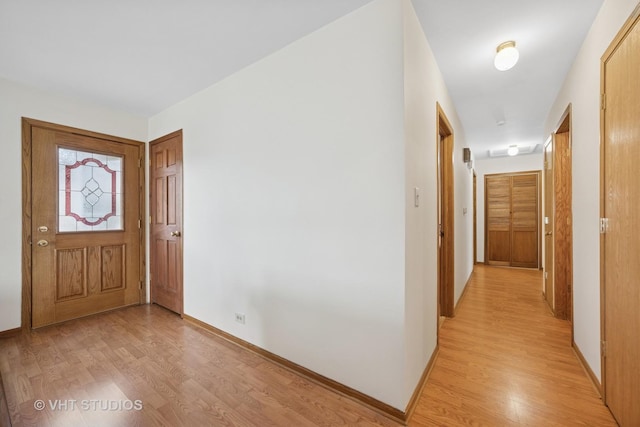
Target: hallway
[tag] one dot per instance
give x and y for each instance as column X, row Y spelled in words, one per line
column 505, row 360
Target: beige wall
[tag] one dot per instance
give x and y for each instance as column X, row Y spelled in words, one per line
column 423, row 87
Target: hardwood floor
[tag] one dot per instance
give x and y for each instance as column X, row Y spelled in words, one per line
column 504, row 360
column 182, row 374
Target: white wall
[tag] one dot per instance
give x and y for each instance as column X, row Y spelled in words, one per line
column 423, row 87
column 582, row 89
column 529, row 162
column 294, row 201
column 17, row 101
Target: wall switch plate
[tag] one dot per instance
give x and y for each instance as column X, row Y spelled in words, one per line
column 416, row 197
column 240, row 318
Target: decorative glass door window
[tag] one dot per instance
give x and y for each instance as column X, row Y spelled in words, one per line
column 89, row 191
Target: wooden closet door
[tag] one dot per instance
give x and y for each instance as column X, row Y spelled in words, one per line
column 511, row 205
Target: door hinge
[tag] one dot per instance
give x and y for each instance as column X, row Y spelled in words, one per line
column 604, row 225
column 603, row 348
column 603, row 102
column 139, row 223
column 140, row 286
column 150, row 219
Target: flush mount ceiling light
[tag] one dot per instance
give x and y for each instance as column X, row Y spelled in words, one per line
column 506, row 56
column 512, row 150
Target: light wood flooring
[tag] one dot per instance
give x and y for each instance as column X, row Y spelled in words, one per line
column 504, row 360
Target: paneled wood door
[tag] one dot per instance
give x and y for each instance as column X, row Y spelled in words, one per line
column 512, row 208
column 620, row 242
column 85, row 229
column 166, row 221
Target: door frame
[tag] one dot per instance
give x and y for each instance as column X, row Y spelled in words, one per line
column 444, row 146
column 548, row 193
column 27, row 205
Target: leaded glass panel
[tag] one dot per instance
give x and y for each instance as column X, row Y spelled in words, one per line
column 89, row 191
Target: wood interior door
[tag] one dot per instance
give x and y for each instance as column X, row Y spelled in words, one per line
column 620, row 242
column 166, row 221
column 446, row 285
column 512, row 231
column 85, row 222
column 562, row 226
column 548, row 224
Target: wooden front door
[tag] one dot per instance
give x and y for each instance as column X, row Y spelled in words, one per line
column 85, row 222
column 620, row 238
column 166, row 221
column 511, row 232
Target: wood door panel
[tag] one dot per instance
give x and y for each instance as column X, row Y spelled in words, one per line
column 113, row 267
column 166, row 222
column 620, row 245
column 524, row 251
column 173, row 261
column 158, row 214
column 71, row 273
column 160, row 269
column 83, row 272
column 171, row 200
column 87, row 306
column 499, row 253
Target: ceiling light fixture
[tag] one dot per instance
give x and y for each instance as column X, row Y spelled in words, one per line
column 512, row 150
column 506, row 56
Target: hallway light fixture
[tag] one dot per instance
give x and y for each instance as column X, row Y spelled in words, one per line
column 512, row 150
column 506, row 56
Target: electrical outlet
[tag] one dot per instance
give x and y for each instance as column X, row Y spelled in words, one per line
column 240, row 318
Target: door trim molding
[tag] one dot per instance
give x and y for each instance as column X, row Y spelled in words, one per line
column 27, row 204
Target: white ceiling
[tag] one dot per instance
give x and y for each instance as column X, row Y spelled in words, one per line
column 464, row 34
column 142, row 56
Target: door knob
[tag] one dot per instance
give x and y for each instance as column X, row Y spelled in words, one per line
column 176, row 233
column 548, row 233
column 43, row 243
